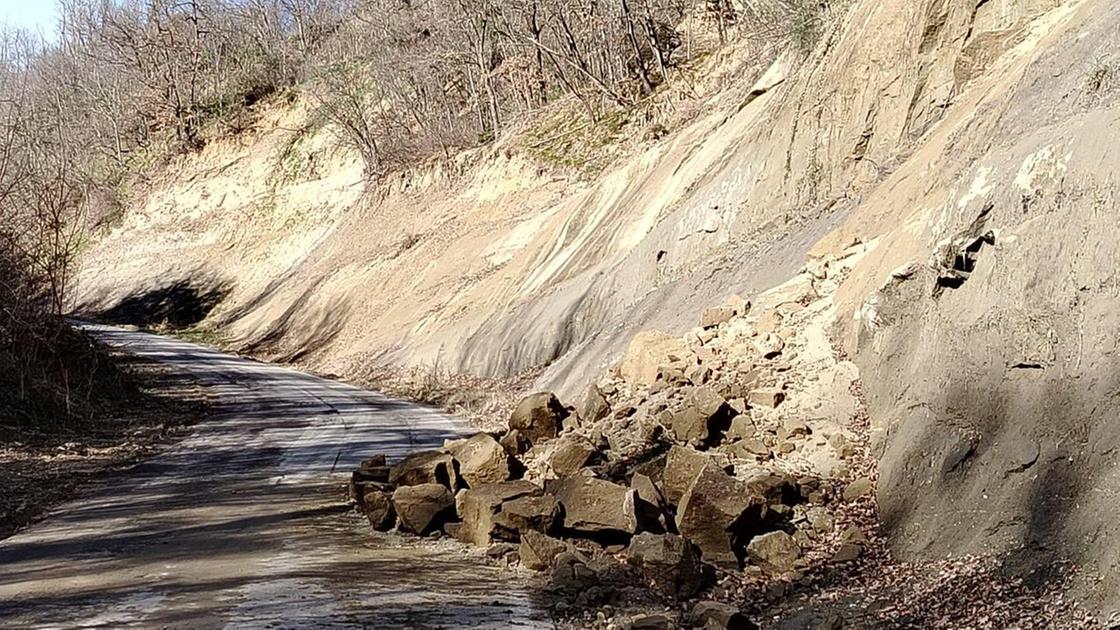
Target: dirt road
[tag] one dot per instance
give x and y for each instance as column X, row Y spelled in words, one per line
column 244, row 523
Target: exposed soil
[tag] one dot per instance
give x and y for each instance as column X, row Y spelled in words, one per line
column 40, row 469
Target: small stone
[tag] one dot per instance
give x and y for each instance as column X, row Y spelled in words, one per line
column 738, row 304
column 770, row 346
column 859, row 488
column 847, row 552
column 652, row 622
column 593, row 405
column 776, row 552
column 712, row 615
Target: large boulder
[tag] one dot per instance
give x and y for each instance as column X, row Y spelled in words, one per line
column 593, row 406
column 538, row 513
column 597, row 506
column 481, row 460
column 647, row 353
column 713, row 509
column 424, row 507
column 374, row 500
column 568, row 454
column 670, row 563
column 682, row 465
column 423, row 468
column 538, row 417
column 478, row 506
column 538, row 551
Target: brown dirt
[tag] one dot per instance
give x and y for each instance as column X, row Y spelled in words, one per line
column 41, row 469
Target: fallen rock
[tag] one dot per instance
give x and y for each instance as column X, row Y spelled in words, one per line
column 775, row 552
column 670, row 563
column 653, row 621
column 538, row 513
column 568, row 454
column 712, row 509
column 713, row 317
column 374, row 500
column 711, row 615
column 571, row 573
column 593, row 405
column 770, row 346
column 515, row 444
column 649, row 351
column 594, row 506
column 423, row 468
column 424, row 507
column 478, row 506
column 859, row 488
column 706, row 416
column 538, row 551
column 481, row 460
column 682, row 465
column 767, row 397
column 538, row 417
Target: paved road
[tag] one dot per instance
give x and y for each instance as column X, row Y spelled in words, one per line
column 242, row 524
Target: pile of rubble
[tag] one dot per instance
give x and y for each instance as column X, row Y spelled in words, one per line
column 722, row 452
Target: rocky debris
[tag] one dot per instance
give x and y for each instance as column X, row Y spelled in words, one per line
column 424, row 507
column 536, row 513
column 481, row 460
column 538, row 417
column 652, row 621
column 593, row 405
column 713, row 615
column 769, row 397
column 567, row 454
column 704, row 419
column 712, row 317
column 538, row 551
column 515, row 443
column 859, row 488
column 647, row 353
column 711, row 511
column 425, row 467
column 374, row 468
column 597, row 506
column 374, row 500
column 682, row 466
column 670, row 563
column 478, row 507
column 775, row 552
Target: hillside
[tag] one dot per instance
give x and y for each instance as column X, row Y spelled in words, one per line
column 967, row 146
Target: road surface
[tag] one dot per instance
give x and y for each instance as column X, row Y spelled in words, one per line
column 243, row 523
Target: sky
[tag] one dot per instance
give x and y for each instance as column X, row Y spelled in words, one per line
column 34, row 15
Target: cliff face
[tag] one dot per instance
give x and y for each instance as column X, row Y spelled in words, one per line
column 967, row 142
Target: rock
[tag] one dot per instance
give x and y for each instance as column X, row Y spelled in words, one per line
column 593, row 505
column 749, row 449
column 712, row 509
column 740, row 305
column 670, row 563
column 481, row 460
column 847, row 552
column 859, row 488
column 820, row 519
column 373, row 469
column 713, row 317
column 742, row 427
column 571, row 573
column 593, row 405
column 538, row 551
column 538, row 417
column 538, row 513
column 424, row 467
column 776, row 552
column 682, row 465
column 478, row 506
column 720, row 616
column 648, row 351
column 656, row 621
column 514, row 443
column 568, row 454
column 794, row 427
column 423, row 507
column 374, row 500
column 770, row 346
column 768, row 397
column 704, row 419
column 500, row 550
column 374, row 461
column 698, row 374
column 647, row 490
